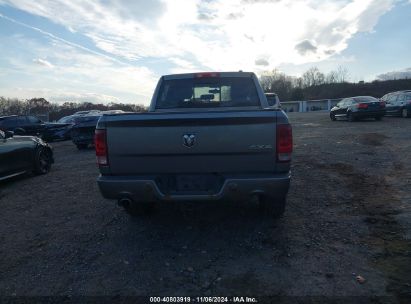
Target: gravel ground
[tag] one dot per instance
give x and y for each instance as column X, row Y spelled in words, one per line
column 348, row 215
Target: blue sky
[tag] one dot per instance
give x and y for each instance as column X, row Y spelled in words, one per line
column 115, row 51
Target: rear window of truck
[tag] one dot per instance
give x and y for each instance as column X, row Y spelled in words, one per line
column 207, row 92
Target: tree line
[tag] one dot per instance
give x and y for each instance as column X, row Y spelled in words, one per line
column 313, row 84
column 55, row 111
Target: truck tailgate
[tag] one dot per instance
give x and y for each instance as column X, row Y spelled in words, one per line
column 183, row 143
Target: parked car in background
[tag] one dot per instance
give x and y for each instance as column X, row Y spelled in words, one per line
column 31, row 125
column 273, row 100
column 82, row 132
column 88, row 112
column 353, row 108
column 67, row 119
column 113, row 112
column 22, row 154
column 72, row 118
column 398, row 103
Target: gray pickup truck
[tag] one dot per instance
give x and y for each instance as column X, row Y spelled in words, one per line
column 207, row 136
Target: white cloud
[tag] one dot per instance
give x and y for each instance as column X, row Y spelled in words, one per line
column 72, row 30
column 55, row 38
column 183, row 66
column 75, row 71
column 235, row 34
column 401, row 74
column 189, row 36
column 42, row 62
column 59, row 96
column 305, row 47
column 64, row 96
column 262, row 62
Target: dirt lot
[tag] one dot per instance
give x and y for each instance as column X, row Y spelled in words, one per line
column 348, row 214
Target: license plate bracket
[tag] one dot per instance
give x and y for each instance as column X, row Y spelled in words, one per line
column 186, row 183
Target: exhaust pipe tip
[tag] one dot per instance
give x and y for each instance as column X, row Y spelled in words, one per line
column 125, row 201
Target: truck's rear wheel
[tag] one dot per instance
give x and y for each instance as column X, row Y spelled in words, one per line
column 272, row 206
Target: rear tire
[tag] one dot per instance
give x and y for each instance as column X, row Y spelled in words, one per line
column 404, row 113
column 274, row 207
column 378, row 118
column 42, row 161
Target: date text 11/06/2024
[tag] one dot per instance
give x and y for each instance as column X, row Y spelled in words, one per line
column 203, row 300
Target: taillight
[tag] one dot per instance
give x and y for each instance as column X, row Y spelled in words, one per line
column 284, row 143
column 382, row 104
column 100, row 143
column 362, row 106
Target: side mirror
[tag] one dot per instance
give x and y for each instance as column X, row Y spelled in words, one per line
column 8, row 134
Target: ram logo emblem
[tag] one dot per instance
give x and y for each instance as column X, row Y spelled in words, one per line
column 189, row 140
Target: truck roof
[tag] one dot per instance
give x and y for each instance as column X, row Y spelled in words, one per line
column 208, row 74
